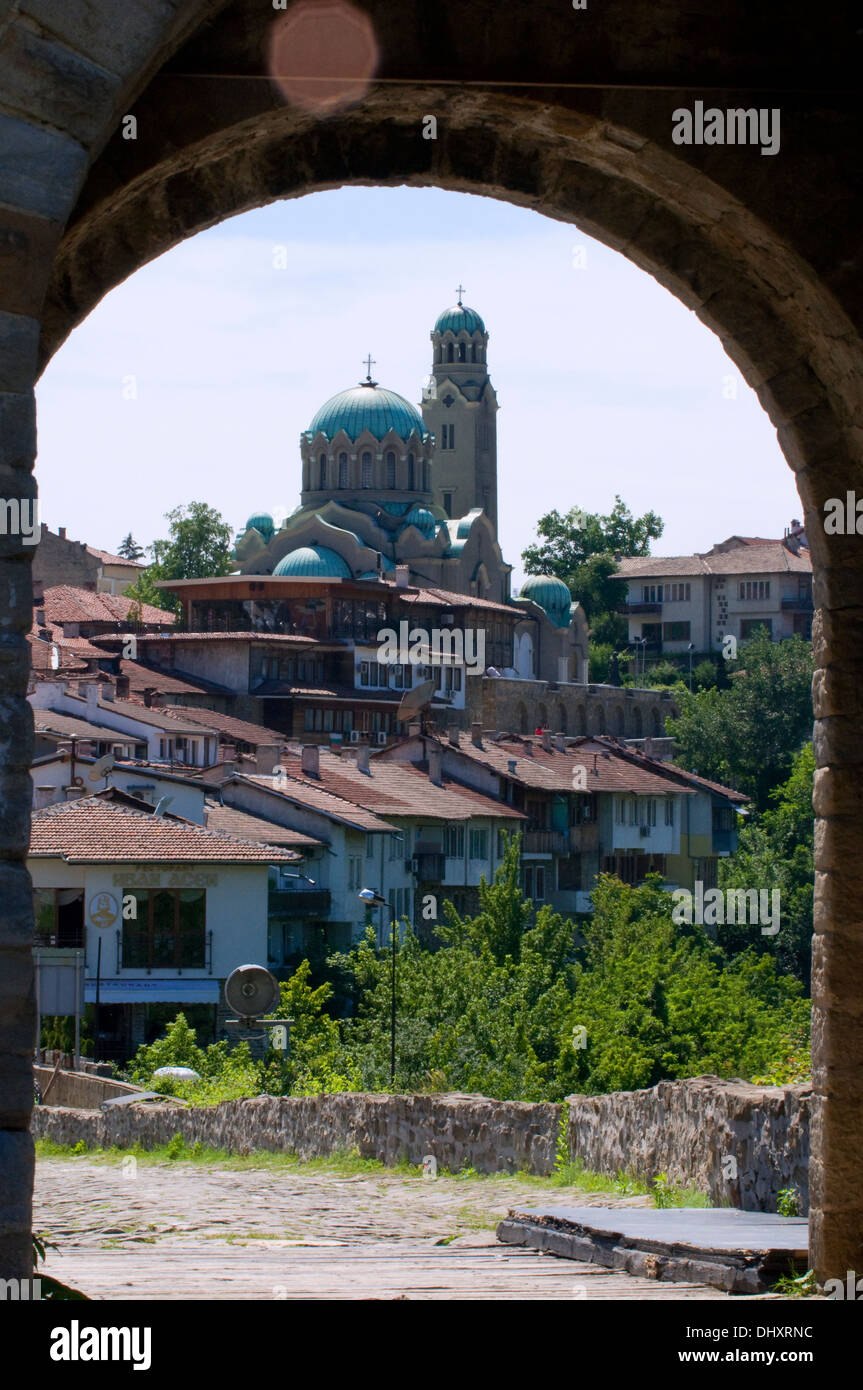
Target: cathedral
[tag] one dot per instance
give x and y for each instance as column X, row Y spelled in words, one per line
column 391, row 489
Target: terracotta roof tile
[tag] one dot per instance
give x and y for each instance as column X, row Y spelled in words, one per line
column 96, row 831
column 239, row 729
column 394, row 788
column 231, row 820
column 65, row 604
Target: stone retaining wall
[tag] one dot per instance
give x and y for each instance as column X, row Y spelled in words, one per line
column 741, row 1144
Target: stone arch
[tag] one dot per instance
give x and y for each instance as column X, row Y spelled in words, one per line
column 541, row 716
column 561, row 719
column 618, row 722
column 521, row 718
column 636, row 723
column 657, row 722
column 580, row 722
column 777, row 280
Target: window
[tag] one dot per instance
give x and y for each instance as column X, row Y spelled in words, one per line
column 447, row 503
column 675, row 632
column 478, row 842
column 322, row 480
column 448, row 436
column 749, row 626
column 678, row 593
column 669, row 810
column 449, row 352
column 370, row 847
column 462, row 355
column 167, row 931
column 367, row 470
column 647, row 811
column 569, row 874
column 410, row 472
column 753, row 589
column 59, row 914
column 651, row 593
column 534, row 882
column 723, row 818
column 391, row 469
column 343, row 470
column 454, row 841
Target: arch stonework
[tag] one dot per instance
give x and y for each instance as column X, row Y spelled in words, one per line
column 774, row 274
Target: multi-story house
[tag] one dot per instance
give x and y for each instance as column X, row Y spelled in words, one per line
column 694, row 602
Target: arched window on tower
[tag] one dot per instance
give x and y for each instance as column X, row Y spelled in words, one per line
column 322, row 479
column 343, row 470
column 449, row 353
column 462, row 352
column 391, row 469
column 411, row 483
column 473, row 352
column 366, row 470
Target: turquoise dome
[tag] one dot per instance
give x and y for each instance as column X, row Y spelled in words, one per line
column 551, row 594
column 422, row 519
column 263, row 523
column 370, row 408
column 313, row 561
column 459, row 318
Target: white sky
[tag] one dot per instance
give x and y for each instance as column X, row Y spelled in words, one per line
column 606, row 383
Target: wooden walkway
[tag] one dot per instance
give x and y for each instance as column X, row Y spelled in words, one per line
column 474, row 1267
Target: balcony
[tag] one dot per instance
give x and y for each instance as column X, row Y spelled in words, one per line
column 299, row 902
column 634, row 608
column 802, row 603
column 429, row 865
column 545, row 842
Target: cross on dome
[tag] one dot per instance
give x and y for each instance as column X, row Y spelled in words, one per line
column 460, row 291
column 368, row 363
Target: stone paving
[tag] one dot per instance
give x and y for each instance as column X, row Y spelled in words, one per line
column 195, row 1231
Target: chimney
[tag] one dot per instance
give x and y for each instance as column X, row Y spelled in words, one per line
column 121, row 685
column 38, row 593
column 90, row 691
column 559, row 742
column 476, row 734
column 403, row 574
column 61, row 532
column 107, row 691
column 362, row 758
column 647, row 747
column 74, row 793
column 453, row 735
column 311, row 760
column 227, row 752
column 148, row 696
column 511, row 766
column 267, row 758
column 546, row 741
column 435, row 754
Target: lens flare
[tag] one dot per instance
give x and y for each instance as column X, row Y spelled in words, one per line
column 323, row 54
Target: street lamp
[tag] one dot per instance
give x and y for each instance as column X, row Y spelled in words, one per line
column 642, row 643
column 373, row 899
column 690, row 648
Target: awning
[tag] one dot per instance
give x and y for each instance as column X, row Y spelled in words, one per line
column 150, row 991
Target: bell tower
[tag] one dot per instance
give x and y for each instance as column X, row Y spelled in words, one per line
column 459, row 408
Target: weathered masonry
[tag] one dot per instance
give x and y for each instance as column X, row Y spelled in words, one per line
column 766, row 252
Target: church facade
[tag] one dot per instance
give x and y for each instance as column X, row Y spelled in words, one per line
column 396, row 530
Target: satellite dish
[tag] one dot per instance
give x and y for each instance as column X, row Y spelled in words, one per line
column 415, row 700
column 251, row 991
column 181, row 1073
column 101, row 767
column 162, row 805
column 55, row 658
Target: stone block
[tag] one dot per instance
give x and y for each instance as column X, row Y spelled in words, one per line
column 17, row 429
column 17, row 1162
column 56, row 86
column 16, row 894
column 41, row 171
column 27, row 247
column 119, row 38
column 19, row 344
column 16, row 799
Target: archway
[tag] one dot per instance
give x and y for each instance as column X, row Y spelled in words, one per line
column 757, row 263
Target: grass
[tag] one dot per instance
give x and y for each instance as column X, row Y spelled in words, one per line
column 350, row 1164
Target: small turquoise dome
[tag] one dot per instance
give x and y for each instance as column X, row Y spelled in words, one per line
column 313, row 561
column 263, row 523
column 368, row 407
column 459, row 318
column 551, row 594
column 422, row 519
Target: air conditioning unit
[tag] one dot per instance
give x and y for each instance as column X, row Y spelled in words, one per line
column 355, row 735
column 380, row 738
column 644, row 831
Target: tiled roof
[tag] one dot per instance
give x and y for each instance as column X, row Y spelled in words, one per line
column 106, row 558
column 143, row 677
column 69, row 726
column 65, row 604
column 445, row 598
column 552, row 771
column 97, row 831
column 293, row 639
column 240, row 729
column 155, row 717
column 757, row 557
column 41, row 658
column 398, row 789
column 316, row 798
column 232, row 821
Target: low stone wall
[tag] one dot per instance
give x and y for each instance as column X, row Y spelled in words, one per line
column 458, row 1131
column 77, row 1089
column 741, row 1144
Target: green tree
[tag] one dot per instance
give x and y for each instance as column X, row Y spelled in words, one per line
column 129, row 549
column 198, row 547
column 776, row 850
column 748, row 734
column 579, row 548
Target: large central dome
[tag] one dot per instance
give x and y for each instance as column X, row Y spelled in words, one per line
column 368, row 407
